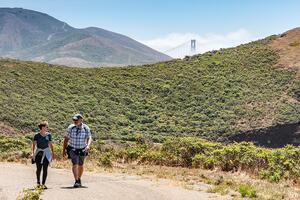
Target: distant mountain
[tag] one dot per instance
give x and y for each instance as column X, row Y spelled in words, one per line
column 31, row 35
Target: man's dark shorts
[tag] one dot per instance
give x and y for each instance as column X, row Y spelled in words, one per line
column 77, row 158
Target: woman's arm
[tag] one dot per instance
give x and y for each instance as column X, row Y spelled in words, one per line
column 33, row 146
column 51, row 146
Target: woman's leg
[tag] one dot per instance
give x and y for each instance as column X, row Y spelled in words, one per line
column 38, row 169
column 45, row 170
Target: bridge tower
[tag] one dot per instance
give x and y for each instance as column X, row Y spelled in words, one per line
column 193, row 45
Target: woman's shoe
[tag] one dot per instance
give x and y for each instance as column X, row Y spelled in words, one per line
column 44, row 187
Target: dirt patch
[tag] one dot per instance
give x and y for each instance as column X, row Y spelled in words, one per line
column 287, row 45
column 7, row 130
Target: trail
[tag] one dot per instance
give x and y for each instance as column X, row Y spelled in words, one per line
column 15, row 177
column 52, row 34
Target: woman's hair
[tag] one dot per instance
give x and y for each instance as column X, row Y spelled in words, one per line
column 42, row 124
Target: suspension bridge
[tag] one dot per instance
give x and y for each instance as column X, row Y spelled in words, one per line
column 188, row 48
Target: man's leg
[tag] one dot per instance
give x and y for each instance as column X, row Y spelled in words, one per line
column 80, row 171
column 75, row 170
column 80, row 168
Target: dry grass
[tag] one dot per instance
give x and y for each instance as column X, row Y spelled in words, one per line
column 287, row 45
column 224, row 183
column 213, row 181
column 5, row 129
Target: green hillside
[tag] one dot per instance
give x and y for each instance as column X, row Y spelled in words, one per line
column 211, row 95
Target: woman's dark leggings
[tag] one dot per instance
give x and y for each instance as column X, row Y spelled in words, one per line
column 39, row 167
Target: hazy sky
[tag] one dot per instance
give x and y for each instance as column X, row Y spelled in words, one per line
column 163, row 24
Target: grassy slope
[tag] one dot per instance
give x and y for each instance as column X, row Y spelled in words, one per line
column 211, row 95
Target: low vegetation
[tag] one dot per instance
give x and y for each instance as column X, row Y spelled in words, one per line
column 212, row 95
column 247, row 191
column 271, row 164
column 30, row 194
column 189, row 160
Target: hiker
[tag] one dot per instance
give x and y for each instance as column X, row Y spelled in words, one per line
column 41, row 153
column 77, row 144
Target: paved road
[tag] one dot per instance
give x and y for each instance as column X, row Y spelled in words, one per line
column 15, row 177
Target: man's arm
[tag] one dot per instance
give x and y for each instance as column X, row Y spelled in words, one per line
column 88, row 142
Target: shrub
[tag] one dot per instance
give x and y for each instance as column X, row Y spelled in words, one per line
column 134, row 152
column 242, row 155
column 271, row 164
column 184, row 149
column 247, row 191
column 29, row 194
column 106, row 159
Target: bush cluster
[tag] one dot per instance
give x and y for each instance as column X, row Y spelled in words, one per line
column 271, row 164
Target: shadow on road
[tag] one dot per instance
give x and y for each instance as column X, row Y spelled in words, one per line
column 71, row 187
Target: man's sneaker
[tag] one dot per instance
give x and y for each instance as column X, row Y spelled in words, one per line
column 79, row 181
column 76, row 185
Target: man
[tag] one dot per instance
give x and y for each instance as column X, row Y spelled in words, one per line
column 77, row 143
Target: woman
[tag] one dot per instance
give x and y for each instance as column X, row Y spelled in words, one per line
column 41, row 153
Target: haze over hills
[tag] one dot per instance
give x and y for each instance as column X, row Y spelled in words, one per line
column 31, row 35
column 214, row 95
